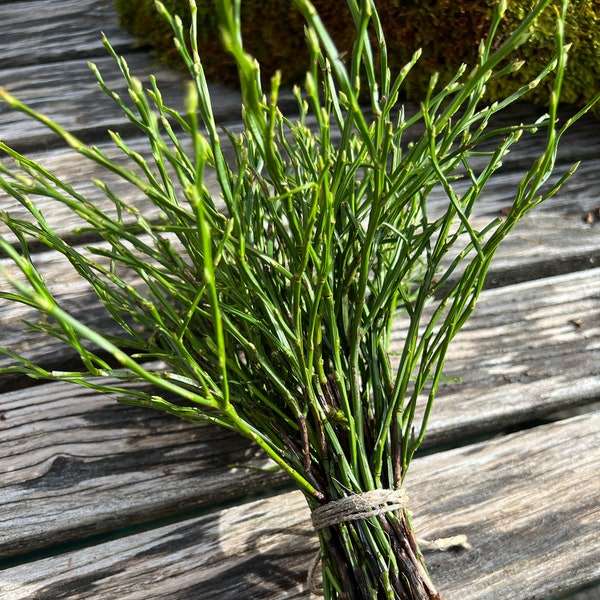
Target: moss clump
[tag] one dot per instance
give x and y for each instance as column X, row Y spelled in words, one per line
column 448, row 32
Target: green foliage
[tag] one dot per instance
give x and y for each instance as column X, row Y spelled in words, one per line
column 273, row 316
column 447, row 32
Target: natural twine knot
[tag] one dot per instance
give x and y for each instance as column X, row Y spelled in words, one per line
column 358, row 506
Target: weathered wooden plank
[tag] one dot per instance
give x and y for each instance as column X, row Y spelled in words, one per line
column 79, row 172
column 528, row 541
column 499, row 193
column 43, row 31
column 534, row 519
column 74, row 463
column 527, row 350
column 591, row 593
column 530, row 351
column 68, row 93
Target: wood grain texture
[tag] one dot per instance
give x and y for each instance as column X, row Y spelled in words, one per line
column 528, row 350
column 68, row 93
column 528, row 503
column 534, row 511
column 74, row 463
column 74, row 101
column 37, row 32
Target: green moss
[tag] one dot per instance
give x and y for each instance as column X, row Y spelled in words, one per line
column 449, row 33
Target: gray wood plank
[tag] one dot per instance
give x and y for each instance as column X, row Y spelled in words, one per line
column 528, row 349
column 534, row 519
column 44, row 31
column 528, row 541
column 78, row 172
column 68, row 93
column 591, row 593
column 74, row 463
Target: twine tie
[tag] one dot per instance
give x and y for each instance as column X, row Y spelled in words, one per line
column 358, row 506
column 365, row 505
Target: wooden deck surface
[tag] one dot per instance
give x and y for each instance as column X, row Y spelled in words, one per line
column 110, row 502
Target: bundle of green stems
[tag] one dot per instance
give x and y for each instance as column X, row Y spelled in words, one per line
column 269, row 310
